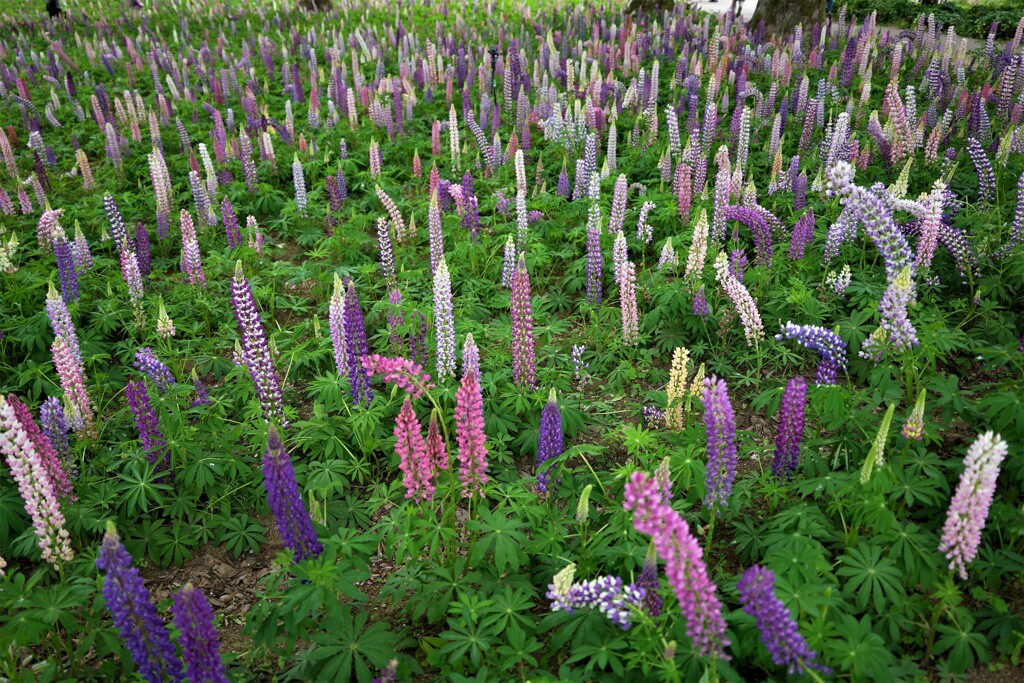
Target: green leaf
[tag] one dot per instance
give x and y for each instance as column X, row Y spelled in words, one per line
column 871, row 578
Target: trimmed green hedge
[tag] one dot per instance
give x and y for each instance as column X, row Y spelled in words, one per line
column 973, row 21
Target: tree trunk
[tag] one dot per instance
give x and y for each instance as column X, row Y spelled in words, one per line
column 781, row 16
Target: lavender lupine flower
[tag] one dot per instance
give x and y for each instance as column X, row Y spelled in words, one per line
column 356, row 347
column 549, row 440
column 299, row 179
column 231, row 231
column 606, row 593
column 827, row 343
column 779, row 632
column 759, row 226
column 285, row 501
column 594, row 259
column 387, row 253
column 470, row 356
column 191, row 263
column 199, row 643
column 564, row 191
column 470, row 436
column 685, row 569
column 700, row 303
column 523, row 366
column 738, row 263
column 618, row 212
column 791, row 428
column 579, row 367
column 336, row 322
column 434, row 230
column 721, row 444
column 80, row 249
column 150, row 436
column 1017, row 230
column 627, row 300
column 969, row 507
column 72, row 381
column 141, row 627
column 620, row 254
column 55, row 426
column 204, row 211
column 893, row 307
column 649, row 583
column 60, row 322
column 147, row 363
column 256, row 350
column 746, row 306
column 644, row 231
column 983, row 167
column 202, row 395
column 66, row 268
column 444, row 321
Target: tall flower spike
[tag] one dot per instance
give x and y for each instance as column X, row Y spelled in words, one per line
column 676, row 389
column 594, row 258
column 444, row 321
column 356, row 347
column 152, row 439
column 299, row 179
column 876, row 455
column 434, row 231
column 523, row 366
column 746, row 306
column 199, row 643
column 791, row 428
column 721, row 444
column 829, row 345
column 549, row 441
column 684, row 564
column 141, row 627
column 469, row 434
column 256, row 350
column 779, row 632
column 73, row 382
column 285, row 501
column 437, row 451
column 414, row 460
column 336, row 318
column 29, row 470
column 968, row 509
column 147, row 363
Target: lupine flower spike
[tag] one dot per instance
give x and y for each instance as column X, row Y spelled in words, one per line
column 285, row 501
column 469, row 434
column 549, row 441
column 200, row 649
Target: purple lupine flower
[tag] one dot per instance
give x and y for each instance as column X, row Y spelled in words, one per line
column 594, row 259
column 738, row 263
column 652, row 415
column 685, row 568
column 80, row 250
column 523, row 366
column 508, row 264
column 199, row 643
column 191, row 261
column 355, row 348
column 256, row 350
column 606, row 593
column 55, row 426
column 721, row 444
column 147, row 363
column 803, row 235
column 200, row 200
column 800, row 191
column 791, row 428
column 650, row 584
column 779, row 631
column 759, row 223
column 969, row 507
column 141, row 627
column 202, row 395
column 893, row 307
column 444, row 321
column 549, row 441
column 982, row 165
column 285, row 501
column 299, row 179
column 142, row 252
column 618, row 212
column 150, row 436
column 45, row 449
column 829, row 345
column 1017, row 230
column 66, row 269
column 564, row 191
column 700, row 303
column 227, row 213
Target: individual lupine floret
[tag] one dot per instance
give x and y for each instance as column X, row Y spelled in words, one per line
column 414, row 460
column 827, row 343
column 285, row 501
column 444, row 321
column 255, row 349
column 779, row 632
column 746, row 306
column 135, row 616
column 523, row 364
column 469, row 434
column 721, row 444
column 968, row 510
column 549, row 440
column 791, row 428
column 685, row 569
column 200, row 647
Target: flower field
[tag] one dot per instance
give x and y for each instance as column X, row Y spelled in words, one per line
column 473, row 342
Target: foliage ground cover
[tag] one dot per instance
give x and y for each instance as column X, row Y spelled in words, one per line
column 445, row 341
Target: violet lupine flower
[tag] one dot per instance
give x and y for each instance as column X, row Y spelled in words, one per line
column 759, row 226
column 1017, row 230
column 66, row 269
column 55, row 427
column 336, row 322
column 893, row 308
column 594, row 259
column 469, row 434
column 231, row 231
column 191, row 263
column 142, row 251
column 285, row 501
column 141, row 627
column 618, row 213
column 606, row 593
column 152, row 439
column 649, row 583
column 72, row 381
column 44, row 448
column 685, row 569
column 549, row 440
column 791, row 428
column 779, row 631
column 746, row 306
column 827, row 343
column 968, row 509
column 356, row 347
column 524, row 370
column 627, row 300
column 299, row 180
column 132, row 275
column 256, row 350
column 80, row 249
column 200, row 201
column 414, row 460
column 721, row 444
column 405, row 373
column 200, row 647
column 700, row 303
column 564, row 191
column 434, row 232
column 202, row 395
column 470, row 356
column 738, row 263
column 983, row 167
column 147, row 363
column 444, row 321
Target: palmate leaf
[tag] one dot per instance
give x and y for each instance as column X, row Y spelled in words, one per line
column 348, row 648
column 860, row 650
column 871, row 578
column 500, row 534
column 962, row 646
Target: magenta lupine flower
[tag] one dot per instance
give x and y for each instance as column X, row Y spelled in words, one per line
column 444, row 321
column 150, row 436
column 470, row 356
column 356, row 347
column 256, row 350
column 143, row 631
column 829, row 345
column 29, row 471
column 594, row 258
column 618, row 213
column 803, row 235
column 434, row 230
column 745, row 304
column 72, row 381
column 437, row 452
column 721, row 444
column 968, row 509
column 779, row 631
column 46, row 450
column 549, row 440
column 415, row 461
column 684, row 564
column 524, row 370
column 200, row 647
column 469, row 434
column 401, row 371
column 147, row 363
column 791, row 428
column 191, row 263
column 336, row 322
column 227, row 214
column 285, row 501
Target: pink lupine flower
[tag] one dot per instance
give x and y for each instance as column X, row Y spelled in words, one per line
column 437, row 452
column 401, row 371
column 73, row 382
column 412, row 452
column 191, row 264
column 469, row 433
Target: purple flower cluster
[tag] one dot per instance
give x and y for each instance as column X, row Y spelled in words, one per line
column 606, row 593
column 549, row 441
column 803, row 235
column 721, row 444
column 285, row 501
column 256, row 350
column 827, row 343
column 355, row 348
column 199, row 644
column 152, row 439
column 791, row 428
column 147, row 363
column 524, row 370
column 986, row 176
